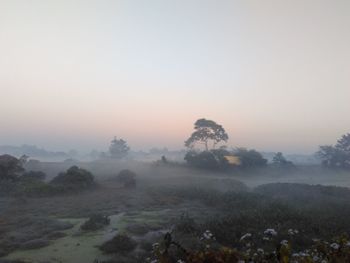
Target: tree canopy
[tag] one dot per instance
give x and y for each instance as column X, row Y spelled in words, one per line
column 118, row 148
column 11, row 167
column 338, row 155
column 206, row 131
column 280, row 161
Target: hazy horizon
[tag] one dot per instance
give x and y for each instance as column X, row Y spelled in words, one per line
column 74, row 74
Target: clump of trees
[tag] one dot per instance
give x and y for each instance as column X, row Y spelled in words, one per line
column 14, row 180
column 11, row 168
column 210, row 134
column 250, row 158
column 118, row 148
column 337, row 156
column 281, row 162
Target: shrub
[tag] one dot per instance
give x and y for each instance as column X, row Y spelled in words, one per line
column 127, row 178
column 10, row 167
column 95, row 222
column 281, row 162
column 250, row 158
column 213, row 159
column 121, row 243
column 73, row 179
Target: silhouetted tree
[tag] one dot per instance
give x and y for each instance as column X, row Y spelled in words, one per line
column 280, row 161
column 119, row 148
column 11, row 167
column 338, row 155
column 206, row 131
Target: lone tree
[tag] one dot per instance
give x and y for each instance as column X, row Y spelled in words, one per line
column 119, row 148
column 338, row 155
column 206, row 131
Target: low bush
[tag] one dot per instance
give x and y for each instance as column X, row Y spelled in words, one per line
column 74, row 179
column 121, row 243
column 95, row 222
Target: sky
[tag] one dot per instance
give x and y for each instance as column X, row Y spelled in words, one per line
column 274, row 73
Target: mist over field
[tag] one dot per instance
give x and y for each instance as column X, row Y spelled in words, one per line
column 174, row 131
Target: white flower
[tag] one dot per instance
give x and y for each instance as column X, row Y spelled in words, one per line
column 155, row 245
column 207, row 235
column 180, row 261
column 292, row 232
column 245, row 236
column 315, row 258
column 347, row 244
column 260, row 251
column 334, row 246
column 284, row 243
column 270, row 231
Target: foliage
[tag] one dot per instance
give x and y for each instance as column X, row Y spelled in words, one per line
column 10, row 167
column 338, row 155
column 206, row 131
column 213, row 159
column 121, row 243
column 127, row 178
column 73, row 179
column 278, row 250
column 280, row 161
column 250, row 158
column 118, row 148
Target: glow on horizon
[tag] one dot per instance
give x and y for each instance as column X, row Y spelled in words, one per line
column 74, row 74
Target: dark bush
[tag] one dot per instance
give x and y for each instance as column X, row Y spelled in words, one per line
column 95, row 222
column 10, row 167
column 73, row 179
column 119, row 244
column 127, row 178
column 250, row 158
column 214, row 159
column 280, row 161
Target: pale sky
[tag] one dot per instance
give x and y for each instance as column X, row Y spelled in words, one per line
column 275, row 73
